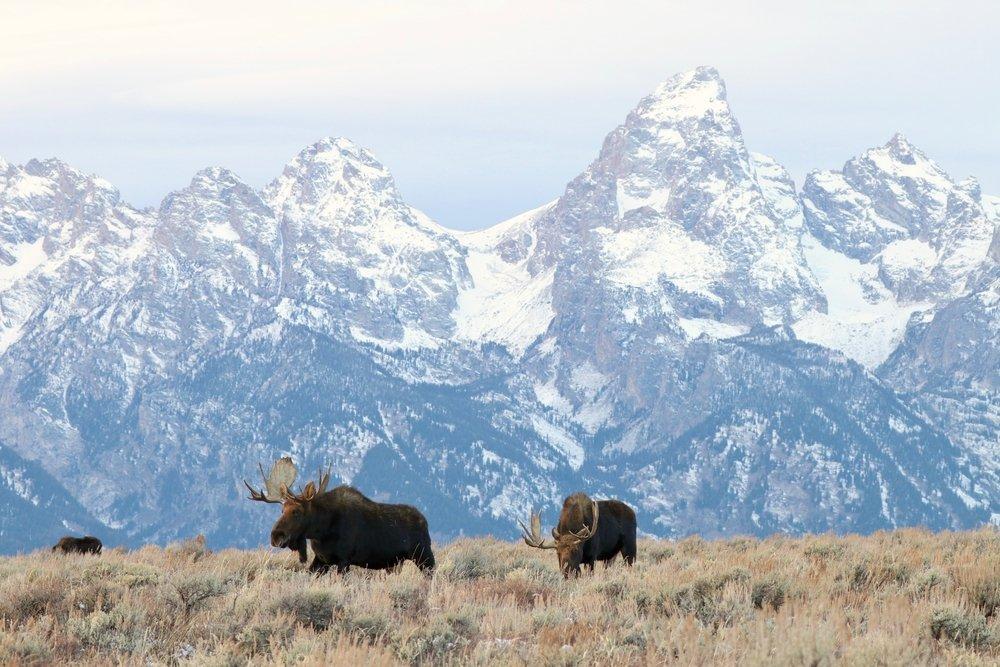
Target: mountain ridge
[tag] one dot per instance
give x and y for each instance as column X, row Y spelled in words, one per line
column 616, row 338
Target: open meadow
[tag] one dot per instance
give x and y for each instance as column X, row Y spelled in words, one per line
column 906, row 597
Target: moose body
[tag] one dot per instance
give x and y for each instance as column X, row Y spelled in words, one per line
column 79, row 545
column 588, row 531
column 344, row 527
column 347, row 528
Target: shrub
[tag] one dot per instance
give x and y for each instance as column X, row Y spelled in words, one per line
column 985, row 594
column 470, row 562
column 927, row 580
column 701, row 598
column 314, row 607
column 691, row 546
column 539, row 572
column 407, row 596
column 192, row 591
column 965, row 630
column 770, row 591
column 877, row 573
column 23, row 648
column 824, row 551
column 121, row 630
column 548, row 617
column 262, row 638
column 191, row 551
column 365, row 627
column 442, row 637
column 31, row 595
column 657, row 553
column 130, row 575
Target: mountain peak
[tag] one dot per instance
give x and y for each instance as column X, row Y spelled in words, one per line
column 334, row 174
column 690, row 94
column 215, row 177
column 337, row 151
column 900, row 148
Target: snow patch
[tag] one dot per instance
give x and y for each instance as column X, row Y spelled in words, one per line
column 863, row 319
column 560, row 440
column 27, row 257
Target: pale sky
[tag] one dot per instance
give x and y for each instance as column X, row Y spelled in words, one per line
column 480, row 109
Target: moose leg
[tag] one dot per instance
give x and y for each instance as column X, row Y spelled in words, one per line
column 342, row 568
column 610, row 561
column 318, row 566
column 629, row 550
column 424, row 559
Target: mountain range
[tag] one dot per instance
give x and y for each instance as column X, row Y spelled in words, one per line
column 682, row 328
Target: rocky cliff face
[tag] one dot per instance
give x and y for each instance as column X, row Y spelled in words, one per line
column 680, row 328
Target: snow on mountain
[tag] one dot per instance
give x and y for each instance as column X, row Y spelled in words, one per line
column 895, row 208
column 504, row 303
column 354, row 249
column 58, row 228
column 675, row 205
column 891, row 235
column 949, row 364
column 863, row 318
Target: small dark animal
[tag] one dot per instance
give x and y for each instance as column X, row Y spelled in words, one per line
column 343, row 526
column 588, row 531
column 79, row 545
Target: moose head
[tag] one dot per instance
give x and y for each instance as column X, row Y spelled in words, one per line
column 567, row 543
column 297, row 514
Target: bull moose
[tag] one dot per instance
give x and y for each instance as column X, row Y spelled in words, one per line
column 588, row 531
column 343, row 526
column 79, row 545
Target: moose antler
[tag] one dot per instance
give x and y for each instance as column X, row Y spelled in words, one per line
column 277, row 483
column 324, row 479
column 313, row 489
column 584, row 533
column 533, row 538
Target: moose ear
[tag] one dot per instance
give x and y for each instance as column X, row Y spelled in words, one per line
column 310, row 491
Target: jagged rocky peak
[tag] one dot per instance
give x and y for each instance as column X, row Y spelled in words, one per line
column 894, row 206
column 332, row 181
column 688, row 116
column 352, row 245
column 889, row 192
column 677, row 151
column 216, row 210
column 42, row 188
column 216, row 180
column 214, row 193
column 675, row 203
column 50, row 200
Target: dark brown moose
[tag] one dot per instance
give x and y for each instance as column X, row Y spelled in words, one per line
column 343, row 526
column 79, row 545
column 588, row 531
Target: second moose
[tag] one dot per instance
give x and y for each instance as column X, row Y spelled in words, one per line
column 588, row 531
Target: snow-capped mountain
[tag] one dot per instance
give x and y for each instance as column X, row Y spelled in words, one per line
column 638, row 336
column 355, row 251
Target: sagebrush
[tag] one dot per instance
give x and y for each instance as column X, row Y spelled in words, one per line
column 905, row 597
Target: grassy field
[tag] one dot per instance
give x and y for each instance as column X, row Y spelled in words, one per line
column 906, row 597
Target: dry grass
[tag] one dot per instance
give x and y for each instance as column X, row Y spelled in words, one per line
column 907, row 597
